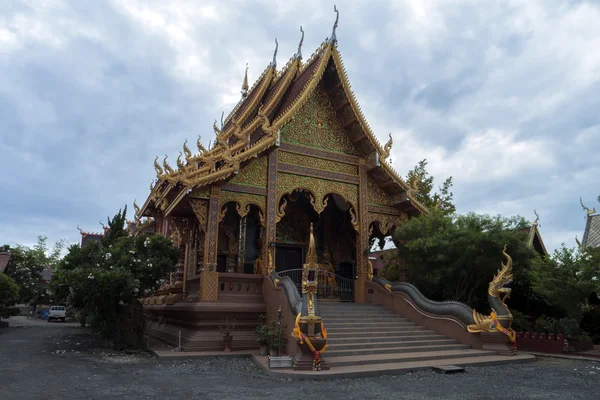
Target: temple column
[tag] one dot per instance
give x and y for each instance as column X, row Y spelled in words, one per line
column 209, row 281
column 271, row 237
column 362, row 236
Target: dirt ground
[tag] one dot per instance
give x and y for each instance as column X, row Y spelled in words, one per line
column 63, row 361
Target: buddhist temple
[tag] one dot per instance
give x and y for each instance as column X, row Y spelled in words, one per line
column 278, row 218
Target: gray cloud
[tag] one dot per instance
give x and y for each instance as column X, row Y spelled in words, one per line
column 501, row 97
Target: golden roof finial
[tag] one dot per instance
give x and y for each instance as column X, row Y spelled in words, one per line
column 79, row 229
column 244, row 87
column 157, row 167
column 388, row 148
column 577, row 241
column 136, row 207
column 274, row 62
column 167, row 166
column 223, row 112
column 217, row 130
column 333, row 38
column 186, row 150
column 180, row 164
column 299, row 52
column 201, row 148
column 311, row 256
column 589, row 212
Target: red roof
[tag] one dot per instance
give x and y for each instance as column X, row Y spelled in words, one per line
column 4, row 259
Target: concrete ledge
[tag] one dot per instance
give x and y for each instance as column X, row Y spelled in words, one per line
column 356, row 371
column 565, row 356
column 386, row 369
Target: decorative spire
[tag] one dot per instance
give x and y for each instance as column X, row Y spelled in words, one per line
column 223, row 112
column 589, row 212
column 299, row 52
column 244, row 88
column 274, row 62
column 333, row 38
column 311, row 256
column 186, row 150
column 537, row 218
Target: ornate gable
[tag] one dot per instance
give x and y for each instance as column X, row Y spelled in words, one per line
column 317, row 125
column 253, row 174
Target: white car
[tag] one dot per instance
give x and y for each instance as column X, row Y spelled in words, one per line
column 57, row 312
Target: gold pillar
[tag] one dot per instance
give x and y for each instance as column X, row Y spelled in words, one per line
column 209, row 281
column 362, row 236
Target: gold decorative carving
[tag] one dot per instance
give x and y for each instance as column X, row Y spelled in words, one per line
column 385, row 222
column 243, row 203
column 200, row 208
column 253, row 174
column 376, row 195
column 319, row 163
column 210, row 286
column 317, row 125
column 201, row 192
column 319, row 188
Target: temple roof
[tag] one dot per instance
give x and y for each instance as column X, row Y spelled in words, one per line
column 591, row 235
column 4, row 259
column 253, row 126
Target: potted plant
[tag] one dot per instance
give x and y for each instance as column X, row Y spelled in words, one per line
column 277, row 339
column 226, row 327
column 263, row 332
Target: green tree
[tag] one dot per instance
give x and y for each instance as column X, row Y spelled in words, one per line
column 27, row 263
column 9, row 294
column 455, row 257
column 568, row 278
column 419, row 178
column 105, row 280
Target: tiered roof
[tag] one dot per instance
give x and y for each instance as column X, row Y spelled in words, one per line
column 253, row 127
column 591, row 235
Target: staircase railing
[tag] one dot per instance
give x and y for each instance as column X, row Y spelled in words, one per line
column 330, row 286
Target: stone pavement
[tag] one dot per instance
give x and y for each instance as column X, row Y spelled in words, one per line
column 68, row 363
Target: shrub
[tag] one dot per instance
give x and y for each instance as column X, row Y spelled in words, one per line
column 591, row 323
column 521, row 321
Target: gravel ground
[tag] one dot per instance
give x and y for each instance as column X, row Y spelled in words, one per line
column 68, row 363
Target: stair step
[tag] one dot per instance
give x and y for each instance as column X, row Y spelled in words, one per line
column 336, row 332
column 394, row 350
column 405, row 357
column 413, row 330
column 404, row 338
column 362, row 318
column 363, row 324
column 387, row 345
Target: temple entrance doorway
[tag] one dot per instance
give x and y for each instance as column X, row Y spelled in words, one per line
column 289, row 257
column 335, row 232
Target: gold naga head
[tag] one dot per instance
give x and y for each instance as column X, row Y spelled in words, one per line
column 503, row 277
column 158, row 168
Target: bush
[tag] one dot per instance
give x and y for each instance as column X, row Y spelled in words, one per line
column 591, row 323
column 521, row 321
column 9, row 294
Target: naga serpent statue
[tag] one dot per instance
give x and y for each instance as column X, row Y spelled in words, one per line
column 500, row 318
column 309, row 329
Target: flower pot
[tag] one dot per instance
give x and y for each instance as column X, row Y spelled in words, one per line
column 227, row 340
column 264, row 350
column 273, row 352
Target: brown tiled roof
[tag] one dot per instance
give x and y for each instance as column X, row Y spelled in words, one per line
column 4, row 259
column 591, row 236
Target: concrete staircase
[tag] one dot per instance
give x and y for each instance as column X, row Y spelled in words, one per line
column 365, row 337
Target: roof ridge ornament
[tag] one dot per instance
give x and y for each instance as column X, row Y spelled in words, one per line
column 223, row 112
column 274, row 62
column 333, row 38
column 589, row 212
column 244, row 89
column 299, row 52
column 537, row 218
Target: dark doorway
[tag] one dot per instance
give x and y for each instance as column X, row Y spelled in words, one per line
column 288, row 257
column 222, row 263
column 346, row 270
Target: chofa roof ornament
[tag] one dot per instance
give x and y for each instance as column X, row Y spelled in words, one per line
column 244, row 88
column 274, row 62
column 333, row 38
column 299, row 52
column 589, row 212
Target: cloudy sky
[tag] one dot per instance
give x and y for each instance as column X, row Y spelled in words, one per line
column 502, row 95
